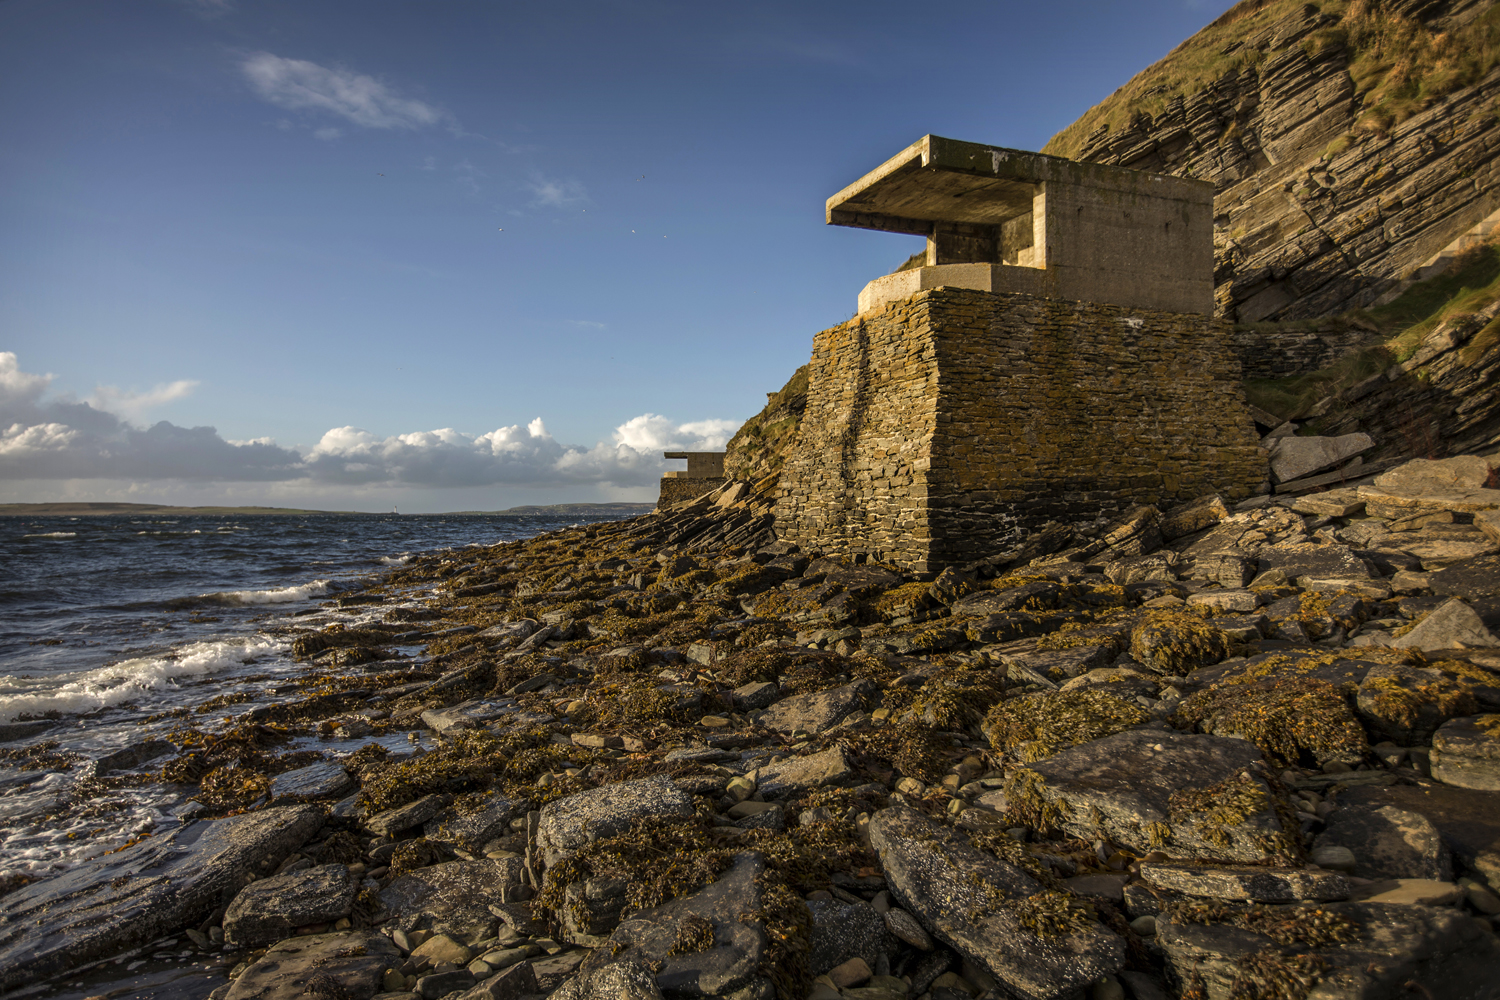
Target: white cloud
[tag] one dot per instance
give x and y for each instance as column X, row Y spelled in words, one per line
column 548, row 192
column 300, row 85
column 135, row 405
column 44, row 439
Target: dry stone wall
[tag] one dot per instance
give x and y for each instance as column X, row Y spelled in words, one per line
column 677, row 489
column 943, row 428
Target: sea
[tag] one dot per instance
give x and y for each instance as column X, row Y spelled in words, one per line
column 108, row 623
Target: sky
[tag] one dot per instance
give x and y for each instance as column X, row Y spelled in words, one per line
column 455, row 255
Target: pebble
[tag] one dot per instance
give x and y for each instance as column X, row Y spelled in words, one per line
column 906, row 927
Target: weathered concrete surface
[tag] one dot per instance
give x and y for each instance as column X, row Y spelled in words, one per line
column 159, row 885
column 968, row 900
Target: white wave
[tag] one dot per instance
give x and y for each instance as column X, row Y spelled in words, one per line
column 54, row 534
column 400, row 560
column 276, row 595
column 120, row 682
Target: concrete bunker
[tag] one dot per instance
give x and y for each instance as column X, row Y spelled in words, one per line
column 704, row 474
column 1006, row 383
column 1007, row 220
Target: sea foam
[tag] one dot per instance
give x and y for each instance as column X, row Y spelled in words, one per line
column 275, row 595
column 103, row 687
column 54, row 534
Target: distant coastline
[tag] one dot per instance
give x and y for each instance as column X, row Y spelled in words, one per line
column 102, row 509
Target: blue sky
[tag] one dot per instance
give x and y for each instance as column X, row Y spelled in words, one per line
column 461, row 255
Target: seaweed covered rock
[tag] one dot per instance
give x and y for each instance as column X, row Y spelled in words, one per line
column 1293, row 719
column 1038, row 725
column 697, row 945
column 1346, row 951
column 1039, row 943
column 813, row 713
column 1187, row 795
column 568, row 823
column 1407, row 704
column 1175, row 642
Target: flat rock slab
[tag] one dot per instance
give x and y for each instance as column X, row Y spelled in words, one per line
column 1466, row 753
column 323, row 780
column 129, row 757
column 1410, row 892
column 266, row 911
column 829, row 767
column 1295, row 457
column 12, row 731
column 1454, row 625
column 1469, row 821
column 1439, row 949
column 471, row 831
column 1188, row 795
column 1259, row 885
column 657, row 937
column 1310, row 560
column 1394, row 503
column 973, row 902
column 393, row 821
column 160, row 885
column 453, row 898
column 1462, row 472
column 1471, row 579
column 821, row 710
column 356, row 960
column 468, row 715
column 568, row 823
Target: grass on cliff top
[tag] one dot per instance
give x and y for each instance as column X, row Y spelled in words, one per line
column 1398, row 65
column 758, row 449
column 1471, row 283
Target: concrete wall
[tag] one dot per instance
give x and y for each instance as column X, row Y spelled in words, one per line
column 943, row 427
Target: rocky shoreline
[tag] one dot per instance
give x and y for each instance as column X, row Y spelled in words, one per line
column 1205, row 752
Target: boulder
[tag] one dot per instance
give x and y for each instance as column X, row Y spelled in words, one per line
column 1037, row 944
column 350, row 964
column 171, row 880
column 468, row 714
column 1295, row 457
column 1440, row 950
column 1453, row 625
column 1387, row 842
column 802, row 774
column 1466, row 753
column 1260, row 885
column 822, row 710
column 471, row 831
column 1185, row 794
column 1471, row 579
column 323, row 780
column 1190, row 518
column 391, row 822
column 513, row 983
column 264, row 912
column 1334, row 503
column 698, row 945
column 568, row 823
column 451, row 898
column 841, row 931
column 614, row 981
column 129, row 757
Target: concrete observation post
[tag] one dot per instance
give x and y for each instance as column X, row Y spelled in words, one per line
column 1053, row 356
column 704, row 474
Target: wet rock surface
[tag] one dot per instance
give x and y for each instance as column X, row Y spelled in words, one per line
column 673, row 756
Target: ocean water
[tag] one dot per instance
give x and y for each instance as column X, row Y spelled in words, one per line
column 108, row 621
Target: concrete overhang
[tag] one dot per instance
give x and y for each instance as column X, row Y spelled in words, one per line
column 947, row 180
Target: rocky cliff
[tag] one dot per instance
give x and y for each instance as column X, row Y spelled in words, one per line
column 1351, row 142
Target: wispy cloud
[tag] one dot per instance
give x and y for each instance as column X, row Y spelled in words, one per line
column 328, row 134
column 130, row 405
column 300, row 85
column 552, row 192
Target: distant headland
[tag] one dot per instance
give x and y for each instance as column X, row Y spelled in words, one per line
column 70, row 509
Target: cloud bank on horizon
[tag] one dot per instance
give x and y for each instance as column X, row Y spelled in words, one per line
column 45, row 438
